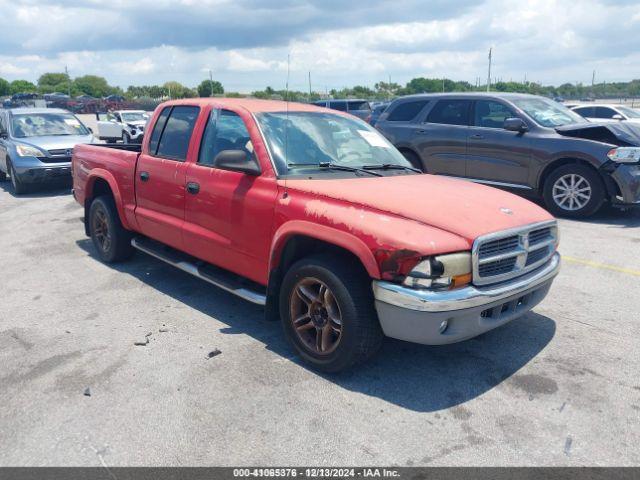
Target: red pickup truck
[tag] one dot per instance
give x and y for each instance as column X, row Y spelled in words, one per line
column 312, row 213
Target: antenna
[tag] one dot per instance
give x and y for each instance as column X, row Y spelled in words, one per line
column 286, row 124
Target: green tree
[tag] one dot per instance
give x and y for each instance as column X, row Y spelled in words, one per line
column 5, row 87
column 93, row 85
column 53, row 82
column 22, row 86
column 207, row 86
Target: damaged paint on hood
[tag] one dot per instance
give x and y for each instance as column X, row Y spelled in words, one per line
column 461, row 208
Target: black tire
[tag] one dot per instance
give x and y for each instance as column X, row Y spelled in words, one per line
column 350, row 287
column 583, row 177
column 103, row 214
column 3, row 176
column 413, row 159
column 19, row 187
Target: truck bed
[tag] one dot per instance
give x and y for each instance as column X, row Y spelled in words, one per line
column 114, row 163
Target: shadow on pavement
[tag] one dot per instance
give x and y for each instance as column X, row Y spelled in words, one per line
column 56, row 189
column 417, row 377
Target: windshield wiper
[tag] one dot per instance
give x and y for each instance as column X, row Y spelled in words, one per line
column 390, row 166
column 334, row 166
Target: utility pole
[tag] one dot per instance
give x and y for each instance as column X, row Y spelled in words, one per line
column 489, row 72
column 211, row 83
column 309, row 85
column 443, row 85
column 66, row 72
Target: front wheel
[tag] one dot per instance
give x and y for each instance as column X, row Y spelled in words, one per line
column 328, row 314
column 19, row 187
column 574, row 191
column 111, row 239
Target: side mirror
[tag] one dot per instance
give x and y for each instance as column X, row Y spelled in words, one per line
column 236, row 161
column 617, row 116
column 515, row 125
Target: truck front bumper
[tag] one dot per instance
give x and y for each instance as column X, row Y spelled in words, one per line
column 441, row 317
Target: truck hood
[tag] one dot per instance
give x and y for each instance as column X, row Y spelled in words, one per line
column 456, row 206
column 622, row 134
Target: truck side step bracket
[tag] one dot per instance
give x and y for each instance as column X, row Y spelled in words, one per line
column 223, row 279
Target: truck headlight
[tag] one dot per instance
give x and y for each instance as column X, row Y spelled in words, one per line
column 29, row 151
column 441, row 272
column 624, row 154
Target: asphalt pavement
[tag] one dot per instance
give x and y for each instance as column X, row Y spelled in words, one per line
column 557, row 387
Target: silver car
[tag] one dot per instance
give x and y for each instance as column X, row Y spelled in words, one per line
column 36, row 145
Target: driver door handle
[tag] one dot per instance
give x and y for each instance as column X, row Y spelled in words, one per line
column 476, row 136
column 144, row 176
column 193, row 188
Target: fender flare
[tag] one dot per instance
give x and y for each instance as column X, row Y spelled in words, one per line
column 339, row 238
column 102, row 174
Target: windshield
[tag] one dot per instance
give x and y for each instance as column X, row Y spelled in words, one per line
column 629, row 112
column 548, row 113
column 133, row 116
column 303, row 140
column 45, row 124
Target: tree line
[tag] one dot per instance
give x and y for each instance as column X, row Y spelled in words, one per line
column 98, row 87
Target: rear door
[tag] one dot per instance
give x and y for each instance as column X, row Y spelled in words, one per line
column 229, row 214
column 441, row 141
column 493, row 153
column 108, row 128
column 160, row 175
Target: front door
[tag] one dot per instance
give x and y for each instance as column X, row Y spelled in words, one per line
column 493, row 153
column 228, row 215
column 160, row 175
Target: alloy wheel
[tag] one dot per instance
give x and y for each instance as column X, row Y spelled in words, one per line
column 101, row 231
column 316, row 316
column 572, row 192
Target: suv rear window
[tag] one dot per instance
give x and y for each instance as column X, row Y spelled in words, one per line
column 174, row 142
column 450, row 112
column 406, row 111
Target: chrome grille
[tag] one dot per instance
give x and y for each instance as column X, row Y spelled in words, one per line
column 504, row 255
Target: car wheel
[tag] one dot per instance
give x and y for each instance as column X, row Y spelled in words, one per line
column 19, row 187
column 413, row 159
column 111, row 239
column 327, row 312
column 574, row 191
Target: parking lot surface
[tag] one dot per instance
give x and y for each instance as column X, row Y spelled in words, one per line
column 557, row 387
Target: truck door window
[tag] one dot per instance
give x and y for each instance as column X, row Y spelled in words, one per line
column 491, row 114
column 157, row 130
column 450, row 112
column 174, row 141
column 225, row 131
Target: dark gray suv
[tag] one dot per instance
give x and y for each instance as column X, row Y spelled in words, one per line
column 524, row 143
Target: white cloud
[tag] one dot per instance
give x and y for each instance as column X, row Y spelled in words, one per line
column 551, row 41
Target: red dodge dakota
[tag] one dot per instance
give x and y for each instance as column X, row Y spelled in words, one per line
column 315, row 215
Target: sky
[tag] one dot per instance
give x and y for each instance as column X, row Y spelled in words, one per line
column 342, row 43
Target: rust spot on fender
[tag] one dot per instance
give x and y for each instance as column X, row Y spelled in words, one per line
column 396, row 264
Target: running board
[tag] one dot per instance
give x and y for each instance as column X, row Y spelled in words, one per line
column 223, row 279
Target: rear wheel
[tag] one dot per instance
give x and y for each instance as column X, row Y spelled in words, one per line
column 111, row 239
column 19, row 187
column 413, row 159
column 327, row 312
column 574, row 191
